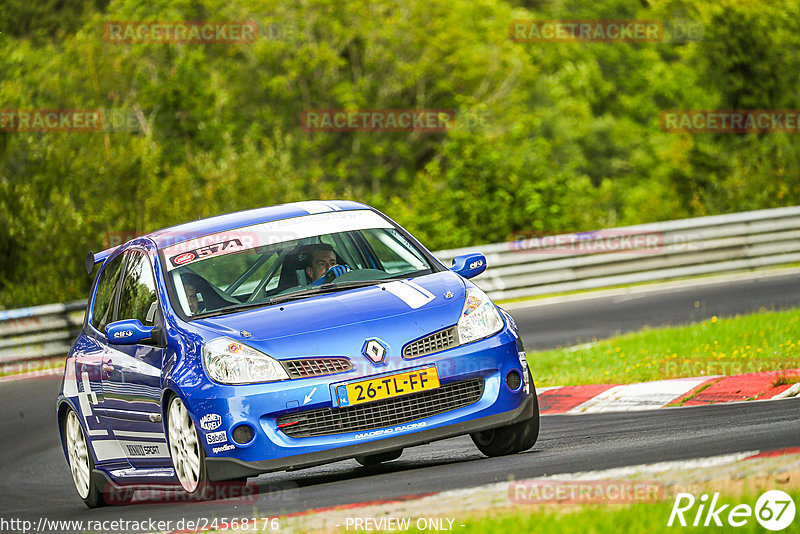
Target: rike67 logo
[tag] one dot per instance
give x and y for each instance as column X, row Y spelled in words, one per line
column 774, row 510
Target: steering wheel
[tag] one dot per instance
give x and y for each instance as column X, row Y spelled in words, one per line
column 331, row 274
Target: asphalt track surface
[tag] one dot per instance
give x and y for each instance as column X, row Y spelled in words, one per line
column 35, row 481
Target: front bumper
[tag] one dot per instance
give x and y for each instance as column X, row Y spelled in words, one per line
column 228, row 468
column 259, row 406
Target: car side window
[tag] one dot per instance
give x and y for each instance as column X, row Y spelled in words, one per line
column 106, row 286
column 138, row 299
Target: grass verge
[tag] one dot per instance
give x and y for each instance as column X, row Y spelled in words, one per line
column 644, row 517
column 764, row 341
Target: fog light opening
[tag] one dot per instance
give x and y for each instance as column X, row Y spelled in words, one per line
column 513, row 380
column 242, row 434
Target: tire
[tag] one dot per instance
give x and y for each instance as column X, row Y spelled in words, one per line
column 81, row 463
column 375, row 459
column 510, row 439
column 186, row 451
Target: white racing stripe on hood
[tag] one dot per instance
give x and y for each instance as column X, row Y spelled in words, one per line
column 409, row 292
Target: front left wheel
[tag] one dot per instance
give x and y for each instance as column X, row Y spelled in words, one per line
column 510, row 439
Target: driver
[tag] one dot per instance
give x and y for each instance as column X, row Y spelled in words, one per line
column 192, row 286
column 321, row 265
column 191, row 296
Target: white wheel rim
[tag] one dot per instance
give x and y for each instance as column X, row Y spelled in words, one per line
column 184, row 447
column 78, row 454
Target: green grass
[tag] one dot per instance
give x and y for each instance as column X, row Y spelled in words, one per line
column 644, row 517
column 764, row 341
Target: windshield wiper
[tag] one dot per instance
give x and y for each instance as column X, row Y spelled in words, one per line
column 319, row 290
column 233, row 308
column 324, row 288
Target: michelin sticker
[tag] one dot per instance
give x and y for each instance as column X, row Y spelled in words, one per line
column 210, row 421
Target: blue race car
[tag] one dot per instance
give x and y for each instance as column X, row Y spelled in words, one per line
column 280, row 338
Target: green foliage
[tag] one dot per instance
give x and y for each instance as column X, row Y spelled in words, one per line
column 550, row 137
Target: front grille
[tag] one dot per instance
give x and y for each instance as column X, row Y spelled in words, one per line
column 382, row 413
column 306, row 367
column 438, row 341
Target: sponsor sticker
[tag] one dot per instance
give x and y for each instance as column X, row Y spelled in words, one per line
column 142, row 450
column 523, row 361
column 217, row 437
column 224, row 448
column 230, row 245
column 210, row 421
column 385, row 431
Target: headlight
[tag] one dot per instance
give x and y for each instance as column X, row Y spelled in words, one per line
column 231, row 362
column 479, row 318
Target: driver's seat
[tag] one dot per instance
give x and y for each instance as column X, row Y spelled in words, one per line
column 293, row 272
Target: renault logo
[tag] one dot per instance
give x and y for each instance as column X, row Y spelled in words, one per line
column 375, row 350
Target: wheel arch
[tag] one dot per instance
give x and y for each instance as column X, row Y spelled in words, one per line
column 64, row 406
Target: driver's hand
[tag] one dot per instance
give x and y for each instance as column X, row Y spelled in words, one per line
column 331, row 274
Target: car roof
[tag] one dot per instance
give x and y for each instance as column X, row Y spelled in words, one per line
column 231, row 221
column 221, row 223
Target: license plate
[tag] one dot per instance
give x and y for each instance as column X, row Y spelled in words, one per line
column 388, row 386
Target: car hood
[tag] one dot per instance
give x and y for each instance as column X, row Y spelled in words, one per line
column 339, row 323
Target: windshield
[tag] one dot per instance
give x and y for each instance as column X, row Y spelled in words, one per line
column 274, row 262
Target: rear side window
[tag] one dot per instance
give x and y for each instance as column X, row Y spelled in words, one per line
column 101, row 311
column 138, row 299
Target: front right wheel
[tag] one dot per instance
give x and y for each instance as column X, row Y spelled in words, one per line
column 510, row 439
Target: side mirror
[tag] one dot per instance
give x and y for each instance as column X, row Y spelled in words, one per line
column 130, row 332
column 469, row 265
